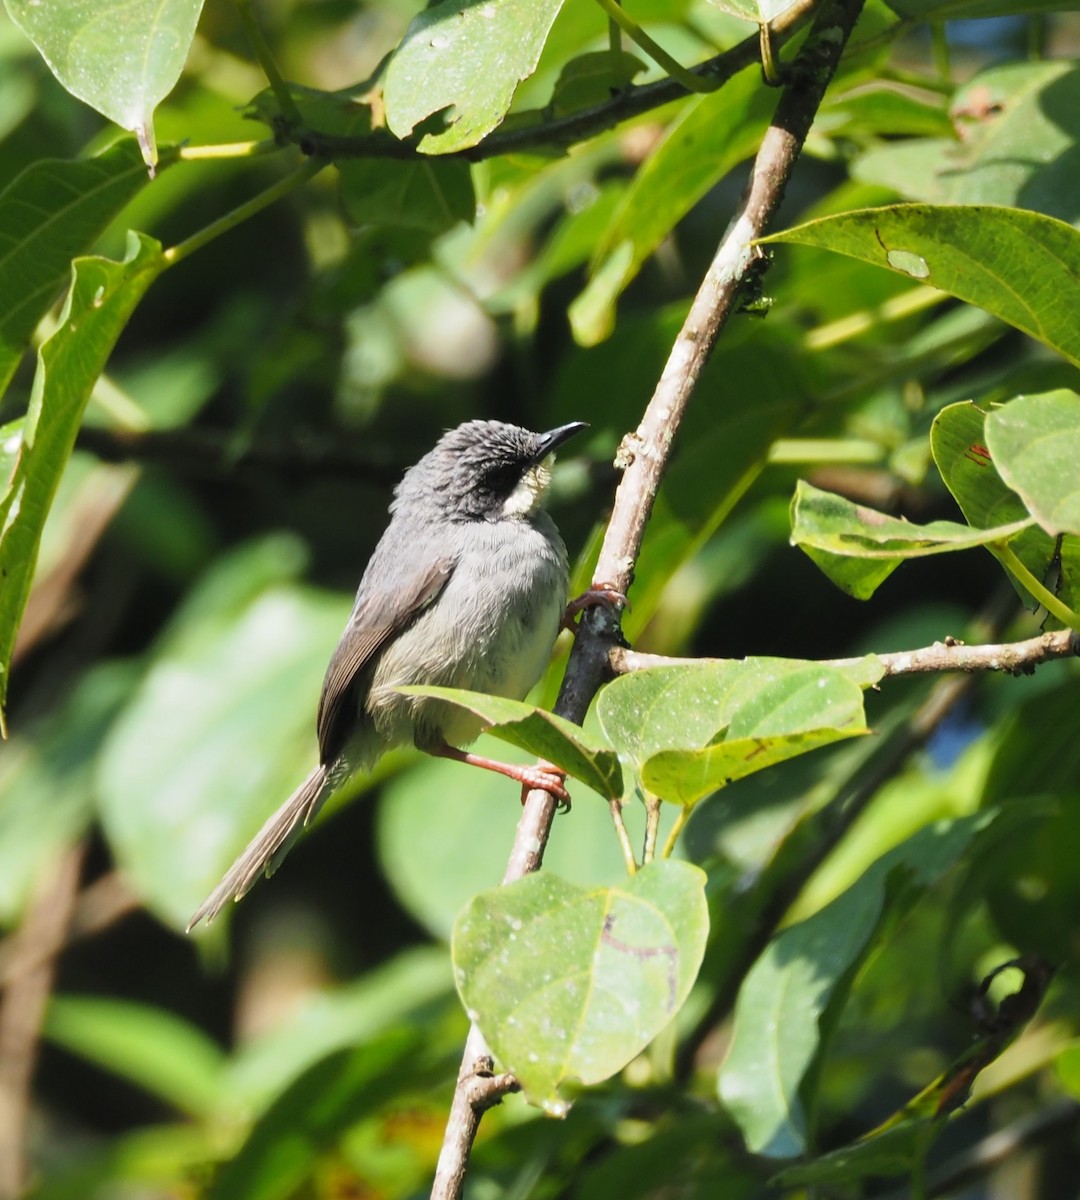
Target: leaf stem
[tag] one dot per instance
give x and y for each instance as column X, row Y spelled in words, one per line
column 229, row 150
column 1008, row 559
column 690, row 81
column 673, row 834
column 623, row 835
column 266, row 60
column 652, row 825
column 242, row 212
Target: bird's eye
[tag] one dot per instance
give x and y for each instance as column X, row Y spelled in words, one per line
column 501, row 478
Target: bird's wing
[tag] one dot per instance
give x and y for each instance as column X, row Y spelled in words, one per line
column 375, row 619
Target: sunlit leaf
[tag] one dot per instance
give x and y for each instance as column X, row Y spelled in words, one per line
column 122, row 57
column 542, row 733
column 102, row 298
column 571, row 983
column 1019, row 266
column 461, row 63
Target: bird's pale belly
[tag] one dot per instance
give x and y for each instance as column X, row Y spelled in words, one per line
column 495, row 631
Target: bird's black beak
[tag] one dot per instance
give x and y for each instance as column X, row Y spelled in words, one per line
column 555, row 437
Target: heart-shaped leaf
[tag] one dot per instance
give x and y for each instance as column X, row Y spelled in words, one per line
column 571, row 983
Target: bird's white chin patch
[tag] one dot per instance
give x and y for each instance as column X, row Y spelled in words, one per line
column 529, row 493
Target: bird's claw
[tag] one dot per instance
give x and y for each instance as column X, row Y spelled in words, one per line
column 593, row 597
column 548, row 779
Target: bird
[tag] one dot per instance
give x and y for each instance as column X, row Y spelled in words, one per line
column 466, row 588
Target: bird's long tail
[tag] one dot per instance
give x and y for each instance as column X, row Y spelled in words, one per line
column 269, row 846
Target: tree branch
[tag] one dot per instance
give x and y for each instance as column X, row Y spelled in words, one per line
column 1014, row 658
column 643, row 456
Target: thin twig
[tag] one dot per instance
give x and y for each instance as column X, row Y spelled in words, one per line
column 40, row 938
column 1014, row 658
column 643, row 456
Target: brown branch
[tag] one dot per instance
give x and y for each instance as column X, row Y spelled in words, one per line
column 643, row 456
column 574, row 127
column 42, row 932
column 1014, row 658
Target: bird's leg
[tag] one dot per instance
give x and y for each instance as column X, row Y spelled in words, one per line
column 545, row 775
column 593, row 597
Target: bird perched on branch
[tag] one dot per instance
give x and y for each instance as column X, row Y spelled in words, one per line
column 466, row 588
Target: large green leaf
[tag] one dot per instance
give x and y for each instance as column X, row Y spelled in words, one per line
column 49, row 213
column 859, row 547
column 152, row 1047
column 122, row 57
column 220, row 729
column 1019, row 125
column 1035, row 444
column 789, row 1000
column 1019, row 266
column 571, row 983
column 102, row 298
column 461, row 63
column 690, row 730
column 542, row 733
column 429, row 195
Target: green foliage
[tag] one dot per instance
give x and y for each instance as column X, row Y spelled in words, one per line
column 503, row 209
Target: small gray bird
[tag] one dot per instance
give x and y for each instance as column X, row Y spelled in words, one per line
column 467, row 589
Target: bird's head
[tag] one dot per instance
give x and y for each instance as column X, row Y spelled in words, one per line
column 484, row 470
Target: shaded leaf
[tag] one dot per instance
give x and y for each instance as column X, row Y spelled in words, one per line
column 102, row 298
column 790, row 997
column 711, row 136
column 153, row 1048
column 219, row 730
column 122, row 57
column 283, row 1147
column 50, row 213
column 859, row 547
column 571, row 983
column 1035, row 444
column 1017, row 127
column 542, row 733
column 461, row 62
column 430, row 195
column 592, row 79
column 1019, row 266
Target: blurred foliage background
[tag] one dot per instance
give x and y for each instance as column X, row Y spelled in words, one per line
column 232, row 475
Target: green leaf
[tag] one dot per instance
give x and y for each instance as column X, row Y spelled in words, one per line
column 760, row 11
column 791, row 715
column 1019, row 266
column 792, row 994
column 49, row 213
column 894, row 1152
column 282, row 1149
column 571, row 983
column 592, row 78
column 219, row 731
column 958, row 441
column 429, row 195
column 102, row 298
column 690, row 730
column 153, row 1048
column 712, row 135
column 122, row 57
column 955, row 10
column 462, row 63
column 1035, row 444
column 858, row 547
column 542, row 733
column 1018, row 127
